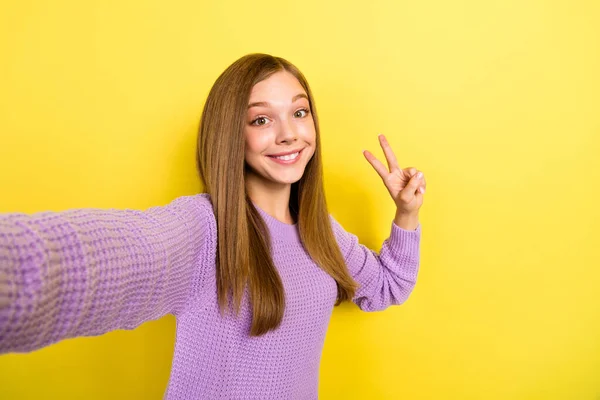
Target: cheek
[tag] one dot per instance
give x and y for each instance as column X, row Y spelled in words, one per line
column 256, row 143
column 309, row 129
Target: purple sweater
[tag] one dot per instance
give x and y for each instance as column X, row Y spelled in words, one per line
column 84, row 272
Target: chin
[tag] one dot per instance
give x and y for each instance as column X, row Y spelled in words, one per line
column 287, row 181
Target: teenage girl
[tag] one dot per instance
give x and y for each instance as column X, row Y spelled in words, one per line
column 251, row 268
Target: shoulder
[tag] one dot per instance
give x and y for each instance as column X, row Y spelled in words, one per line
column 337, row 227
column 346, row 240
column 197, row 207
column 195, row 202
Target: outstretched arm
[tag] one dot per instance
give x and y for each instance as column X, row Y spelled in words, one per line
column 84, row 272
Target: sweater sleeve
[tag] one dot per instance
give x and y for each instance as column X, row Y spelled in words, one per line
column 84, row 272
column 385, row 278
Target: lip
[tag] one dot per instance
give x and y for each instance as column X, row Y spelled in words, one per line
column 286, row 153
column 287, row 162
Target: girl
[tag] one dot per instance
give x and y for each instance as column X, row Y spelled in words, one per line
column 251, row 269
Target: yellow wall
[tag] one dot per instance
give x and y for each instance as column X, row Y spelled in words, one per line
column 497, row 102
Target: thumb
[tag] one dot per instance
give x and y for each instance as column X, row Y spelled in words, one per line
column 414, row 183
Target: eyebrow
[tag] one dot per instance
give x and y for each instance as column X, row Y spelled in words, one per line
column 266, row 104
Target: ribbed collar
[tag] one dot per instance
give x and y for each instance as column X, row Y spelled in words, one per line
column 278, row 228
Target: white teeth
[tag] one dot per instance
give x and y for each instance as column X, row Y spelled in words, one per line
column 288, row 157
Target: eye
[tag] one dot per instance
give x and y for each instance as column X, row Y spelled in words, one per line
column 260, row 121
column 300, row 114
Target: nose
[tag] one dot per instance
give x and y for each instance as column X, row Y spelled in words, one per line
column 287, row 132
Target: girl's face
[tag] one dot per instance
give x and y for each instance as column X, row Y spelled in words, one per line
column 278, row 120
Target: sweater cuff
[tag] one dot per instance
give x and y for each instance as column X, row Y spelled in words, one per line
column 408, row 240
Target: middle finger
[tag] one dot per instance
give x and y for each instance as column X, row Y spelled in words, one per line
column 389, row 153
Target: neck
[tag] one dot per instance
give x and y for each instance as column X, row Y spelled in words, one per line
column 272, row 197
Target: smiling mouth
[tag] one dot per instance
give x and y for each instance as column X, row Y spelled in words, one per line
column 289, row 157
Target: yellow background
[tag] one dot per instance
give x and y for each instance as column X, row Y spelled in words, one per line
column 497, row 102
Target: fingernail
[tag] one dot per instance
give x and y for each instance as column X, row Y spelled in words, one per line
column 420, row 175
column 422, row 189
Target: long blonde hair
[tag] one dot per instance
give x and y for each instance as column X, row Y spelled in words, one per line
column 244, row 243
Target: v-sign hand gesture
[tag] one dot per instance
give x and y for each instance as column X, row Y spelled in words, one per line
column 406, row 186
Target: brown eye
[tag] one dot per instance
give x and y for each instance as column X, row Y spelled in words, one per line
column 259, row 121
column 301, row 113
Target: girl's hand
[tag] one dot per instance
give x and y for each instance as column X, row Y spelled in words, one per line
column 404, row 185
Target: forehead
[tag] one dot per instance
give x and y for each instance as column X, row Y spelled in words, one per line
column 281, row 86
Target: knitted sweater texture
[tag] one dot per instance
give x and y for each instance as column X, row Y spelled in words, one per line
column 84, row 272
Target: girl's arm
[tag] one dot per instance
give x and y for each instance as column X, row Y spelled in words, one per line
column 84, row 272
column 386, row 278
